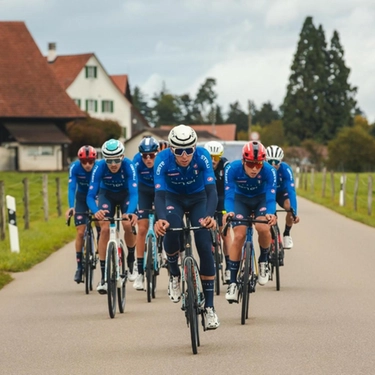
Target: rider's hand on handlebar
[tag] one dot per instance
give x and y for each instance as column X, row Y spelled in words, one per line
column 100, row 215
column 133, row 218
column 296, row 220
column 225, row 216
column 208, row 222
column 69, row 213
column 161, row 227
column 272, row 219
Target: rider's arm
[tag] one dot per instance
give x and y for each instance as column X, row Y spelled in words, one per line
column 288, row 182
column 72, row 185
column 209, row 183
column 160, row 187
column 96, row 177
column 229, row 189
column 270, row 189
column 132, row 186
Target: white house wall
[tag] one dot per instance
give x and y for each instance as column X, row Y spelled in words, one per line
column 101, row 88
column 40, row 162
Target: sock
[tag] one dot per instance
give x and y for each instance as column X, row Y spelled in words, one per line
column 233, row 268
column 130, row 258
column 140, row 266
column 79, row 260
column 287, row 230
column 102, row 268
column 263, row 257
column 173, row 264
column 226, row 262
column 208, row 289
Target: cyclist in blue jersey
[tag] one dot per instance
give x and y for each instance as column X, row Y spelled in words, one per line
column 286, row 195
column 79, row 181
column 219, row 164
column 144, row 165
column 185, row 182
column 250, row 185
column 114, row 182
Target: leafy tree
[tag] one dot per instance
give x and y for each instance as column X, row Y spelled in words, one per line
column 140, row 102
column 219, row 115
column 265, row 115
column 188, row 109
column 167, row 109
column 91, row 131
column 205, row 100
column 273, row 134
column 237, row 116
column 352, row 150
column 340, row 96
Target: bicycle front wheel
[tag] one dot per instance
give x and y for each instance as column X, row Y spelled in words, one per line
column 149, row 269
column 245, row 285
column 191, row 307
column 218, row 256
column 111, row 279
column 276, row 260
column 121, row 291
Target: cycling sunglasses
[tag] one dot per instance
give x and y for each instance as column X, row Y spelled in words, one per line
column 179, row 151
column 87, row 161
column 215, row 157
column 274, row 162
column 113, row 161
column 253, row 164
column 150, row 155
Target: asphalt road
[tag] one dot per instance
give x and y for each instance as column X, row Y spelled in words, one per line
column 321, row 322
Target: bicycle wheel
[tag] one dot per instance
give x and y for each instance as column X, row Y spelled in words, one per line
column 92, row 262
column 245, row 285
column 87, row 268
column 121, row 291
column 111, row 279
column 218, row 257
column 191, row 310
column 276, row 260
column 149, row 269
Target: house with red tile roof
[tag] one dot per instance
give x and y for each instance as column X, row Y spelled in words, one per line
column 225, row 132
column 34, row 108
column 93, row 90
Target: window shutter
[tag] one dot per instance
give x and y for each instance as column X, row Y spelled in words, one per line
column 96, row 106
column 86, row 71
column 103, row 105
column 95, row 71
column 112, row 106
column 87, row 105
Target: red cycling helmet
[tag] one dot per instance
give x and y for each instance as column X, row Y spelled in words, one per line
column 163, row 145
column 86, row 152
column 254, row 151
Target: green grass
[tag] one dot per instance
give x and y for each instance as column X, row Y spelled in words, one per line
column 314, row 192
column 43, row 237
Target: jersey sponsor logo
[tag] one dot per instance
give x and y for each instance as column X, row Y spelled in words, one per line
column 170, row 207
column 173, row 174
column 104, row 205
column 262, row 209
column 160, row 166
column 292, row 185
column 70, row 180
column 273, row 191
column 80, row 217
column 227, row 187
column 210, row 179
column 206, row 161
column 157, row 186
column 134, row 184
column 91, row 187
column 239, row 216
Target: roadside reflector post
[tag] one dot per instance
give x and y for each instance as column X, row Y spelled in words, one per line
column 12, row 223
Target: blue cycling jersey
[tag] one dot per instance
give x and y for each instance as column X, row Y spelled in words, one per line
column 238, row 182
column 171, row 177
column 145, row 175
column 123, row 180
column 285, row 182
column 79, row 181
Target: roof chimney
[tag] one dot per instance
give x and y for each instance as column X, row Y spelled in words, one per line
column 51, row 52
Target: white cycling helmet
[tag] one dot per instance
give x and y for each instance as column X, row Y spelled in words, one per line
column 214, row 148
column 182, row 136
column 275, row 153
column 113, row 149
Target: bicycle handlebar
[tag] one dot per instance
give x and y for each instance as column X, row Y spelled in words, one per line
column 248, row 220
column 291, row 211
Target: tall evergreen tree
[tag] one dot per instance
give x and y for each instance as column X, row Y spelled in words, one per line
column 265, row 115
column 304, row 104
column 340, row 96
column 205, row 100
column 140, row 102
column 237, row 116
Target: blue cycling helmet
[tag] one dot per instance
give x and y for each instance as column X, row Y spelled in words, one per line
column 148, row 144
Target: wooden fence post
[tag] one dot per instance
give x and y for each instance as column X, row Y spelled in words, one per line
column 332, row 186
column 312, row 181
column 324, row 177
column 58, row 195
column 2, row 211
column 45, row 196
column 356, row 185
column 369, row 196
column 26, row 194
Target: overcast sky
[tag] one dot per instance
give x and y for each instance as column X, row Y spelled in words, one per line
column 246, row 45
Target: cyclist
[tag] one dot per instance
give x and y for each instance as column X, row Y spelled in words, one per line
column 220, row 163
column 286, row 195
column 114, row 181
column 78, row 185
column 163, row 145
column 144, row 165
column 250, row 185
column 185, row 181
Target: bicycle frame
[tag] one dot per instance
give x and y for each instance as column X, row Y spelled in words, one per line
column 151, row 235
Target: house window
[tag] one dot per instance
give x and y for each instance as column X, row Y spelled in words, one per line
column 91, row 71
column 107, row 106
column 124, row 133
column 78, row 102
column 40, row 151
column 91, row 105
